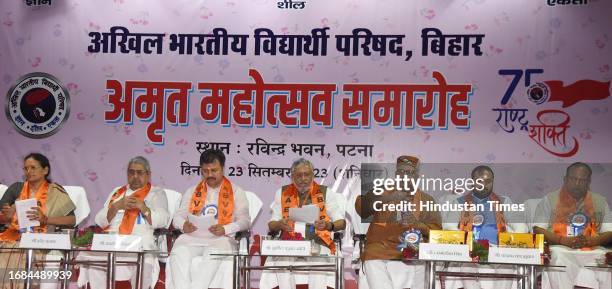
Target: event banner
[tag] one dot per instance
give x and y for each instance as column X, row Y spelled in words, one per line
column 523, row 85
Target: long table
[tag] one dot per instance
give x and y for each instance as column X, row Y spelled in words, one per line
column 242, row 268
column 68, row 255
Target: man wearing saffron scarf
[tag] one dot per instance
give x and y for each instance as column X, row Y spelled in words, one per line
column 304, row 191
column 215, row 196
column 571, row 220
column 381, row 256
column 137, row 208
column 485, row 225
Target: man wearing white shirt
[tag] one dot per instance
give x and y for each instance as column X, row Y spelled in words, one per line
column 137, row 208
column 485, row 225
column 214, row 196
column 301, row 192
column 572, row 220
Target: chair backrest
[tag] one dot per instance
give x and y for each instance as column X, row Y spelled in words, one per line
column 174, row 201
column 341, row 200
column 358, row 226
column 606, row 226
column 530, row 209
column 79, row 198
column 255, row 205
column 2, row 190
column 450, row 198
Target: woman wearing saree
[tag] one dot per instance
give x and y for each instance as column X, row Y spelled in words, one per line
column 54, row 210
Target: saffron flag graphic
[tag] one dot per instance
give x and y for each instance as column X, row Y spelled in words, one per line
column 585, row 89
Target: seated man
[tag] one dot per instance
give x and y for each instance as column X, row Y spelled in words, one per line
column 216, row 196
column 301, row 192
column 381, row 257
column 137, row 208
column 485, row 225
column 571, row 220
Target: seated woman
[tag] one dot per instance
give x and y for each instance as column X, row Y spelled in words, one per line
column 54, row 210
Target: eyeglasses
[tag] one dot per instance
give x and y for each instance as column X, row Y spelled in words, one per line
column 303, row 175
column 139, row 173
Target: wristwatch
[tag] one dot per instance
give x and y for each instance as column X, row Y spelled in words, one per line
column 147, row 212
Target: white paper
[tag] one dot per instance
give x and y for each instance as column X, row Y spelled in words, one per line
column 444, row 252
column 307, row 214
column 300, row 227
column 116, row 242
column 202, row 223
column 45, row 241
column 514, row 255
column 22, row 208
column 285, row 248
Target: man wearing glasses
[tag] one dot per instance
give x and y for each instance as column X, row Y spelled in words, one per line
column 304, row 191
column 572, row 221
column 137, row 208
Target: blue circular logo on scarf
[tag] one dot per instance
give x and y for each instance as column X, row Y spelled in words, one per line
column 410, row 238
column 478, row 220
column 210, row 210
column 579, row 220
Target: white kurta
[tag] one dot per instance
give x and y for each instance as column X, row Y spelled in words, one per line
column 181, row 272
column 574, row 260
column 514, row 225
column 335, row 209
column 157, row 202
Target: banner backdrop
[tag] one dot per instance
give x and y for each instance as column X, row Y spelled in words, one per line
column 336, row 82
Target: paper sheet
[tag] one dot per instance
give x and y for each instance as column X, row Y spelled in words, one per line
column 203, row 223
column 300, row 227
column 307, row 214
column 22, row 208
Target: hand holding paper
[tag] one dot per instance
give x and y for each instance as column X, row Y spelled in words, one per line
column 188, row 227
column 36, row 214
column 202, row 224
column 22, row 208
column 307, row 214
column 217, row 230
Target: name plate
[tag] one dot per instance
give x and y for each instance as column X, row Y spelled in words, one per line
column 285, row 248
column 444, row 252
column 45, row 241
column 514, row 255
column 114, row 242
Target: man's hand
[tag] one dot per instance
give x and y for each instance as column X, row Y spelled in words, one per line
column 580, row 242
column 134, row 203
column 120, row 204
column 8, row 211
column 321, row 225
column 189, row 227
column 285, row 225
column 573, row 242
column 217, row 230
column 592, row 241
